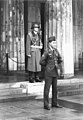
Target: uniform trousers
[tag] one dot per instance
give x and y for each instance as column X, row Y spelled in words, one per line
column 48, row 82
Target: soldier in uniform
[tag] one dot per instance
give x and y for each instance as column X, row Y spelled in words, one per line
column 51, row 59
column 33, row 52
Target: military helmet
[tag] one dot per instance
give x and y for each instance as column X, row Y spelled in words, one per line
column 35, row 25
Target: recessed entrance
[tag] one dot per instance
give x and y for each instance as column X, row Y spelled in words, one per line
column 34, row 12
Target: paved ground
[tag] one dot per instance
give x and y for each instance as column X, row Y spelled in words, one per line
column 33, row 110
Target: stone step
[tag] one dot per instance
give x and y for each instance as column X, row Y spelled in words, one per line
column 26, row 89
column 21, row 88
column 81, row 85
column 70, row 92
column 69, row 87
column 11, row 91
column 37, row 88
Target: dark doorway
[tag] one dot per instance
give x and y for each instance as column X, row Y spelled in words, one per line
column 25, row 27
column 42, row 23
column 27, row 21
column 42, row 10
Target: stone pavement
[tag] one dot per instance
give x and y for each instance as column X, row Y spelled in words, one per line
column 23, row 101
column 33, row 110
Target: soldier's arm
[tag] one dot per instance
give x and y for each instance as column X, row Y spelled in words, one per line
column 28, row 46
column 40, row 37
column 41, row 44
column 43, row 60
column 59, row 58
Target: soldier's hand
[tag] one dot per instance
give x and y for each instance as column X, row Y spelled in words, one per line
column 41, row 47
column 58, row 72
column 29, row 55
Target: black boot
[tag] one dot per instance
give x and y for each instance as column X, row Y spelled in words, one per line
column 31, row 80
column 37, row 79
column 31, row 77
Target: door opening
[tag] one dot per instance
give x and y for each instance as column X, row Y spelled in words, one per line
column 33, row 12
column 25, row 28
column 42, row 24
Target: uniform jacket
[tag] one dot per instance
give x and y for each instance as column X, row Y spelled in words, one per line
column 33, row 61
column 51, row 60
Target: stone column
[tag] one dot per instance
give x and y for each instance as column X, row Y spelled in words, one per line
column 46, row 25
column 61, row 26
column 67, row 39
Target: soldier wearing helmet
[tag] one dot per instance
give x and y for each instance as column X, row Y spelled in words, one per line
column 33, row 52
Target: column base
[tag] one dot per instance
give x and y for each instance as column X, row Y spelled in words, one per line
column 66, row 76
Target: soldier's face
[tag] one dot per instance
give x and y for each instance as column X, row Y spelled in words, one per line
column 36, row 30
column 53, row 44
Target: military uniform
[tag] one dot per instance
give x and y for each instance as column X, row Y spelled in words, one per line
column 33, row 65
column 33, row 61
column 51, row 60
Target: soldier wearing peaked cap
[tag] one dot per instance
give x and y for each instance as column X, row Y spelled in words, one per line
column 51, row 59
column 33, row 52
column 50, row 39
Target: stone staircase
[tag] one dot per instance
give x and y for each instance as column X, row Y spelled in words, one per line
column 70, row 90
column 26, row 90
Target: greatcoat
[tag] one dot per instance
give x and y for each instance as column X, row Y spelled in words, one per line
column 33, row 61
